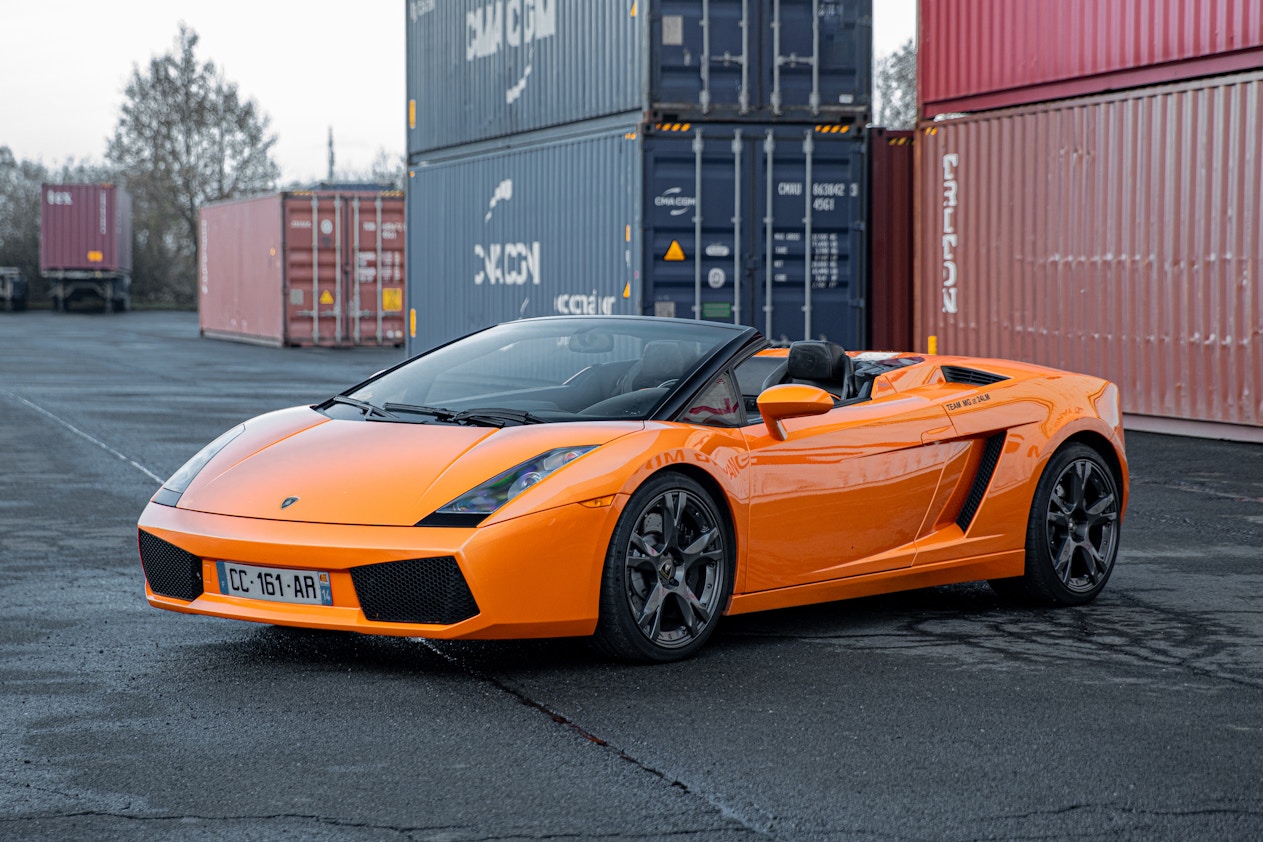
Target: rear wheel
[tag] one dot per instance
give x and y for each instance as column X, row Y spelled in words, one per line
column 668, row 573
column 1072, row 534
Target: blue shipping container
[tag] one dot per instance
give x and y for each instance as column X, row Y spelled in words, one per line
column 711, row 221
column 481, row 69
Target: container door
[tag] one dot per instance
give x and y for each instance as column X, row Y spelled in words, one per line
column 810, row 192
column 314, row 292
column 373, row 272
column 702, row 57
column 815, row 58
column 697, row 191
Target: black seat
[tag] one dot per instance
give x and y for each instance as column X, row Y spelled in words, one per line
column 823, row 364
column 661, row 361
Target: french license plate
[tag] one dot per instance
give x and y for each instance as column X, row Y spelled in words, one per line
column 306, row 587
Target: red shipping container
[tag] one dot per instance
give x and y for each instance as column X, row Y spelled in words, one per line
column 304, row 268
column 1119, row 235
column 975, row 55
column 85, row 228
column 890, row 241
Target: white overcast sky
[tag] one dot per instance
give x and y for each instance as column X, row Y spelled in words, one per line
column 309, row 65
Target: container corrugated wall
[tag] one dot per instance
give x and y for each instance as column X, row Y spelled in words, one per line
column 611, row 221
column 542, row 229
column 1119, row 235
column 85, row 228
column 975, row 55
column 304, row 268
column 890, row 239
column 481, row 69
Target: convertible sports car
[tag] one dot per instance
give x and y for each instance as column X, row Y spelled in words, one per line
column 632, row 479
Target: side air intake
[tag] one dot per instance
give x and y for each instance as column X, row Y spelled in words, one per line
column 990, row 457
column 970, row 376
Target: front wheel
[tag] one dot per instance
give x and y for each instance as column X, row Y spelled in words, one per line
column 668, row 573
column 1072, row 534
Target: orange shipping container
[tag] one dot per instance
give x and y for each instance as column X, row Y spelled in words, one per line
column 1119, row 235
column 304, row 268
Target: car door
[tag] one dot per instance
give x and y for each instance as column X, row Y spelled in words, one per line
column 845, row 493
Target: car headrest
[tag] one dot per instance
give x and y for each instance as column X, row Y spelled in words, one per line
column 823, row 362
column 662, row 360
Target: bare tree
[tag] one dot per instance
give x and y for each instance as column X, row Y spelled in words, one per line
column 185, row 137
column 896, row 84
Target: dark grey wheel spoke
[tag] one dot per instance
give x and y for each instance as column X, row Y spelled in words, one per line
column 672, row 511
column 1103, row 510
column 697, row 549
column 1065, row 555
column 639, row 542
column 650, row 619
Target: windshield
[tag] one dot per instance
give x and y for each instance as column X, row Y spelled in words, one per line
column 546, row 370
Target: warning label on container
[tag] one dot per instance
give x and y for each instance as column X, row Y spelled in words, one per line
column 392, row 299
column 326, row 297
column 674, row 253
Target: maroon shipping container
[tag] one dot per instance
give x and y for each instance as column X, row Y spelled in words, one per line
column 85, row 227
column 1119, row 235
column 85, row 243
column 304, row 268
column 975, row 55
column 890, row 240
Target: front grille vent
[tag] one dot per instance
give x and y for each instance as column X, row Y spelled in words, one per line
column 170, row 570
column 970, row 376
column 418, row 590
column 990, row 456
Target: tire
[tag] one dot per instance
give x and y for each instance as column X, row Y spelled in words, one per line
column 668, row 573
column 1072, row 533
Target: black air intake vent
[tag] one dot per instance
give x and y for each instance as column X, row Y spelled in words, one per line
column 418, row 590
column 170, row 570
column 970, row 376
column 990, row 456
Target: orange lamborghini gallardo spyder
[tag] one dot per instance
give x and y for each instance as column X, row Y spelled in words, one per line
column 633, row 479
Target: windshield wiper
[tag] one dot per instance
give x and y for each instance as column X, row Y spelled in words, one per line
column 370, row 410
column 417, row 409
column 495, row 417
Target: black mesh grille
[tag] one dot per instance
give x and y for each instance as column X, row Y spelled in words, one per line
column 990, row 456
column 970, row 376
column 170, row 570
column 419, row 590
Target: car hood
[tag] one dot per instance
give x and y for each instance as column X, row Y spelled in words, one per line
column 365, row 472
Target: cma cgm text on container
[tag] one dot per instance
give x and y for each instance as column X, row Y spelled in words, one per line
column 747, row 223
column 977, row 55
column 480, row 69
column 1119, row 235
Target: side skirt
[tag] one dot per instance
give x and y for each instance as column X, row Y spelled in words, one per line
column 995, row 566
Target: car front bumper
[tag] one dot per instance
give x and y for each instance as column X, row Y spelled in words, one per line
column 534, row 576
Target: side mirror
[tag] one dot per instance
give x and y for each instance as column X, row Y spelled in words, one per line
column 791, row 400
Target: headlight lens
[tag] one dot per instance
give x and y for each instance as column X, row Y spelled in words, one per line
column 502, row 488
column 180, row 479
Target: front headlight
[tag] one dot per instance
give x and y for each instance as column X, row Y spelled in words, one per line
column 171, row 490
column 502, row 488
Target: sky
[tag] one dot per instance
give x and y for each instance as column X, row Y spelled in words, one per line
column 65, row 63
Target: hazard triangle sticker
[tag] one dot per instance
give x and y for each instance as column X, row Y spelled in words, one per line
column 675, row 253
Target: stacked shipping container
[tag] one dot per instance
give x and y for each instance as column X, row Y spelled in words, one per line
column 1118, row 234
column 692, row 158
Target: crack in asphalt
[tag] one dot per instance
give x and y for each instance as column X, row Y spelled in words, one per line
column 747, row 823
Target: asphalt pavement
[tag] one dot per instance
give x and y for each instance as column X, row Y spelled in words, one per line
column 945, row 713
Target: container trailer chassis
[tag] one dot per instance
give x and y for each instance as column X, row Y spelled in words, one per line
column 68, row 286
